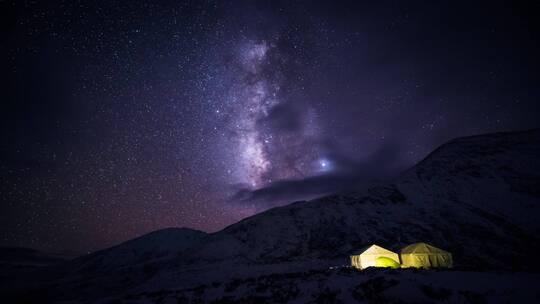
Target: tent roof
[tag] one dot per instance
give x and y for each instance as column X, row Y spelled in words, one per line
column 373, row 249
column 422, row 248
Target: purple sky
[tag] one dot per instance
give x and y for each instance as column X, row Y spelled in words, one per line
column 123, row 117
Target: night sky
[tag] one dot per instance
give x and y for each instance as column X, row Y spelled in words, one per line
column 122, row 117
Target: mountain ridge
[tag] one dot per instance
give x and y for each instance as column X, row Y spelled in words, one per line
column 456, row 199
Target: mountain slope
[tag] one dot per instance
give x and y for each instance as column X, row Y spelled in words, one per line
column 476, row 197
column 161, row 244
column 30, row 257
column 498, row 172
column 19, row 262
column 456, row 198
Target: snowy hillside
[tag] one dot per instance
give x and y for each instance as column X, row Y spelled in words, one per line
column 18, row 262
column 346, row 285
column 161, row 244
column 499, row 173
column 456, row 198
column 476, row 197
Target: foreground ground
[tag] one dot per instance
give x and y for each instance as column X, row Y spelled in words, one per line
column 346, row 285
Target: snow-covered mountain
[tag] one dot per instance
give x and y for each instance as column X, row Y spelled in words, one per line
column 162, row 244
column 499, row 173
column 476, row 197
column 16, row 263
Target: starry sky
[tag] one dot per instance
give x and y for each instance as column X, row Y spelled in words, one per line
column 122, row 117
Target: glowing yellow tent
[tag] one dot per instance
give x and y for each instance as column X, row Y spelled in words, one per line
column 422, row 255
column 367, row 257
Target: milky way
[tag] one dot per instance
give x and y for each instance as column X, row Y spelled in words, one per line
column 123, row 117
column 256, row 97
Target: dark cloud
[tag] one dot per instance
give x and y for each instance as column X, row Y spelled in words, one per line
column 346, row 174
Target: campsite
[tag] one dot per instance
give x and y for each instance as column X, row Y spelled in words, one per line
column 418, row 255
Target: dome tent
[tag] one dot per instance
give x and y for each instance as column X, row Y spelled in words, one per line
column 422, row 255
column 367, row 257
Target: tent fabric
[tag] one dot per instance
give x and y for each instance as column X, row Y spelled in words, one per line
column 386, row 262
column 368, row 257
column 422, row 255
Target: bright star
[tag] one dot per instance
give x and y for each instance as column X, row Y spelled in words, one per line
column 325, row 164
